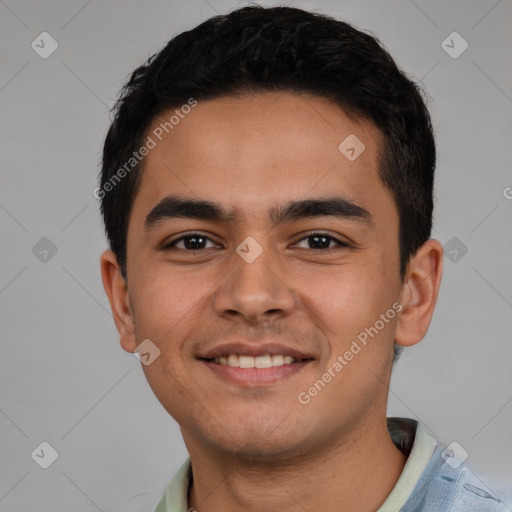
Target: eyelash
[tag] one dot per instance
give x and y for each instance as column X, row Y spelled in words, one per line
column 341, row 244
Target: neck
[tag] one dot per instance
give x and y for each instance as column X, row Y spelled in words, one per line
column 356, row 473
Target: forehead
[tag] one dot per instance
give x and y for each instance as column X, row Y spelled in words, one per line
column 253, row 151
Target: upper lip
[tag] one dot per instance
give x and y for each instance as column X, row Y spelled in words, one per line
column 261, row 349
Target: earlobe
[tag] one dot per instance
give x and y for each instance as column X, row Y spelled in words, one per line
column 117, row 292
column 419, row 293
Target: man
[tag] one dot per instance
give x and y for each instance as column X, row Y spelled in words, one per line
column 267, row 195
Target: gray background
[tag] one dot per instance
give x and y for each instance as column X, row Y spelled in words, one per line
column 64, row 378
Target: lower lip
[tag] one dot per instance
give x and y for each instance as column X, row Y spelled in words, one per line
column 255, row 376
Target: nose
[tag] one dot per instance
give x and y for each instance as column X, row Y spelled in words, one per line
column 254, row 291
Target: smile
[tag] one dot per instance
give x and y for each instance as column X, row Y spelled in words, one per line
column 264, row 361
column 248, row 371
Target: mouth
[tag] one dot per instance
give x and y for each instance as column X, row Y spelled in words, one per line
column 254, row 366
column 264, row 361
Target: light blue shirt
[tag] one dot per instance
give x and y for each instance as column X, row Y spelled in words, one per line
column 434, row 479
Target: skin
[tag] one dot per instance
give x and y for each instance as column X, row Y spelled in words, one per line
column 256, row 447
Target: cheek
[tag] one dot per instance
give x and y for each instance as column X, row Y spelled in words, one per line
column 165, row 295
column 349, row 303
column 164, row 306
column 346, row 295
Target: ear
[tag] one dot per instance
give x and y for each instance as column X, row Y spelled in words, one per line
column 117, row 291
column 419, row 293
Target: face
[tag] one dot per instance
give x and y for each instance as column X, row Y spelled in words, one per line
column 290, row 262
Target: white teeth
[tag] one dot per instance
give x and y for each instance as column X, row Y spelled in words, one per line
column 263, row 361
column 266, row 361
column 245, row 361
column 277, row 360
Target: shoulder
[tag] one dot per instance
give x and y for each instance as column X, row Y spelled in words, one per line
column 477, row 492
column 449, row 485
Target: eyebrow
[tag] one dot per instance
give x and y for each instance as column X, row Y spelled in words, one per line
column 173, row 207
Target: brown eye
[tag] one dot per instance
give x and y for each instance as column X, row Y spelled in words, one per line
column 190, row 242
column 322, row 241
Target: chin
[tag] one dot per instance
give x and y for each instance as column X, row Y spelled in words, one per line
column 265, row 440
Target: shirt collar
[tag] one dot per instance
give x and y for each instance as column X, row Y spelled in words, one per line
column 408, row 434
column 175, row 498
